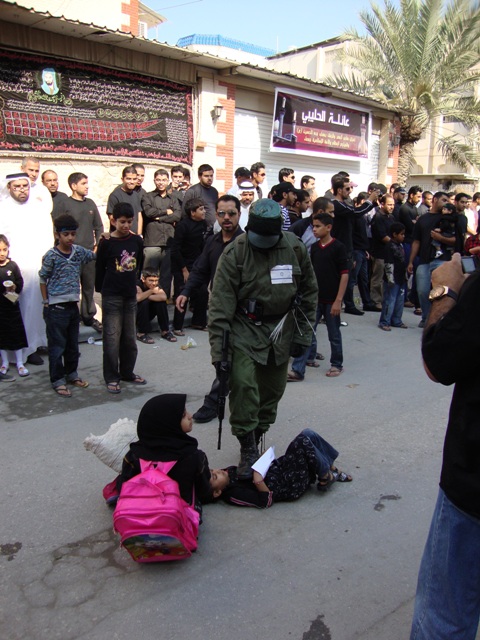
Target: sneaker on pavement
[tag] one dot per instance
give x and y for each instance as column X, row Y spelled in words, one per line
column 6, row 377
column 353, row 311
column 421, row 324
column 205, row 414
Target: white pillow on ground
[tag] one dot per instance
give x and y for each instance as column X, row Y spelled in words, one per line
column 113, row 445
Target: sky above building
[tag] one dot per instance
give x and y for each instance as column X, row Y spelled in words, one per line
column 276, row 24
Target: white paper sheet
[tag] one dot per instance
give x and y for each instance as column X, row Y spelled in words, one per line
column 262, row 465
column 281, row 274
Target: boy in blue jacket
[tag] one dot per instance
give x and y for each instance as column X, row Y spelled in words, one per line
column 60, row 287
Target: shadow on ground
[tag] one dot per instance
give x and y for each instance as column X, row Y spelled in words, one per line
column 33, row 397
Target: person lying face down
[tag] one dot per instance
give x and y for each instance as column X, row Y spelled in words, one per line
column 162, row 428
column 309, row 458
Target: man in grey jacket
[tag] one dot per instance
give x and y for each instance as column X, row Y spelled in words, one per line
column 161, row 211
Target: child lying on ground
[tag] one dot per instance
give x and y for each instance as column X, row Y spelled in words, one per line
column 308, row 458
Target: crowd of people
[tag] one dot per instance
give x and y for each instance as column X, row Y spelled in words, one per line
column 384, row 242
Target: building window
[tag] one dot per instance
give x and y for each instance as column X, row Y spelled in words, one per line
column 142, row 29
column 450, row 120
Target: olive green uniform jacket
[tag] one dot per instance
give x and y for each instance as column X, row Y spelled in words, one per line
column 245, row 272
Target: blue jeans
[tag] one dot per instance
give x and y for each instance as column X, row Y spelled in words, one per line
column 300, row 364
column 119, row 338
column 411, row 295
column 324, row 452
column 447, row 604
column 424, row 284
column 392, row 306
column 334, row 335
column 358, row 276
column 62, row 322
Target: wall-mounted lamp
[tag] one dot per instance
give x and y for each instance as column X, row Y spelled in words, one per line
column 216, row 112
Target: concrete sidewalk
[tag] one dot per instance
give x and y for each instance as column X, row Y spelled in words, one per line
column 336, row 566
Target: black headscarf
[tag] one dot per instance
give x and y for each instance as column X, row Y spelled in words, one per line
column 160, row 436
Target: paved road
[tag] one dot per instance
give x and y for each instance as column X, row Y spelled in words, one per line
column 339, row 566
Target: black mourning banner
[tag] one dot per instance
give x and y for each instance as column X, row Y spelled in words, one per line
column 306, row 125
column 70, row 107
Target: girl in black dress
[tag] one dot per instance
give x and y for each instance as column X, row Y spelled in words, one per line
column 163, row 426
column 308, row 459
column 12, row 331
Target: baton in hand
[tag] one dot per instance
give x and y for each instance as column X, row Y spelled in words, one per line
column 222, row 373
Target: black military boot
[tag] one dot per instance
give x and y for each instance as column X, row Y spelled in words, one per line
column 248, row 456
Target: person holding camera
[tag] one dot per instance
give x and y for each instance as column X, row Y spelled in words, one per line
column 447, row 603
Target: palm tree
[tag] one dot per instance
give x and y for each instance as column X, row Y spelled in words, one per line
column 422, row 58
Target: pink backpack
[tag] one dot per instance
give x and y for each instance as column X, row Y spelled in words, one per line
column 154, row 522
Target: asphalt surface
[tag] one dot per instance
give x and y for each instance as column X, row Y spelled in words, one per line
column 336, row 566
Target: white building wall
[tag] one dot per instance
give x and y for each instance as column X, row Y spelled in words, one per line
column 107, row 13
column 252, row 144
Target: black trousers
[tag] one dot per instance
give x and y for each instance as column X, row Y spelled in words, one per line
column 147, row 310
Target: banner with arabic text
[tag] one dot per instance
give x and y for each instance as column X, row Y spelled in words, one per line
column 69, row 107
column 304, row 125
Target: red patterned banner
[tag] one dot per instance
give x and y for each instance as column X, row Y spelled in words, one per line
column 69, row 107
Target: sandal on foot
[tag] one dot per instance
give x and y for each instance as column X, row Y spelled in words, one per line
column 384, row 327
column 169, row 336
column 62, row 391
column 313, row 364
column 178, row 332
column 324, row 484
column 400, row 326
column 334, row 372
column 341, row 476
column 146, row 339
column 23, row 372
column 197, row 327
column 136, row 380
column 319, row 356
column 292, row 376
column 81, row 384
column 5, row 376
column 113, row 387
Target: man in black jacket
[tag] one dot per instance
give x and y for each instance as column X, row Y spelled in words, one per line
column 381, row 223
column 204, row 190
column 344, row 213
column 343, row 222
column 228, row 215
column 408, row 216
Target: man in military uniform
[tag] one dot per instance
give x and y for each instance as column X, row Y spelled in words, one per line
column 265, row 294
